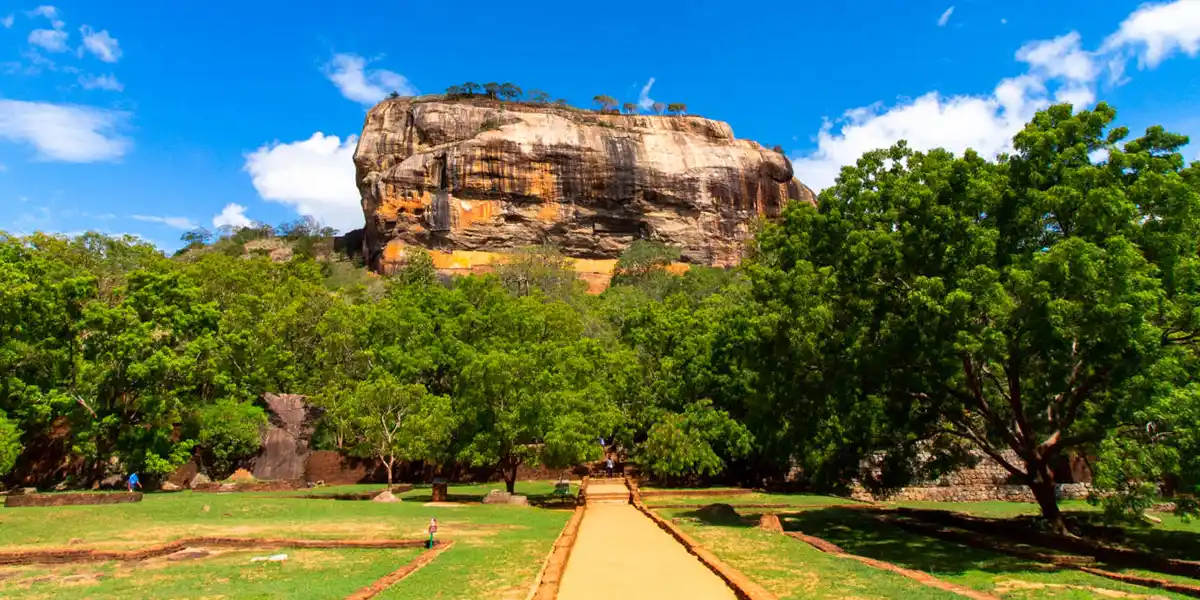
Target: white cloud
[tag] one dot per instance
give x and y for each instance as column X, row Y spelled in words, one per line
column 49, row 12
column 7, row 22
column 348, row 72
column 945, row 18
column 51, row 40
column 101, row 44
column 1057, row 70
column 65, row 132
column 313, row 176
column 1004, row 21
column 1155, row 31
column 645, row 102
column 103, row 82
column 233, row 215
column 183, row 223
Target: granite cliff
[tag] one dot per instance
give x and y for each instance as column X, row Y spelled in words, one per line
column 471, row 178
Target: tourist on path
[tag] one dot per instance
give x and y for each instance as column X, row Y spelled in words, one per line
column 608, row 465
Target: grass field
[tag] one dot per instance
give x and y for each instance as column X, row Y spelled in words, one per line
column 498, row 549
column 793, row 569
column 797, row 500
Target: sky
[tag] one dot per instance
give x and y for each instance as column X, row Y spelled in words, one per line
column 155, row 118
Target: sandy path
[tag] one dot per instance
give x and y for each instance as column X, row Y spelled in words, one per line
column 620, row 554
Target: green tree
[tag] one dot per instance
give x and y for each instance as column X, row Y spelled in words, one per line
column 693, row 442
column 455, row 91
column 605, row 103
column 538, row 97
column 676, row 108
column 644, row 264
column 509, row 92
column 492, row 90
column 229, row 432
column 396, row 422
column 630, row 108
column 951, row 303
column 197, row 237
column 539, row 268
column 10, row 444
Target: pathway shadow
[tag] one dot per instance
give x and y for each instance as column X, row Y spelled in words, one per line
column 859, row 532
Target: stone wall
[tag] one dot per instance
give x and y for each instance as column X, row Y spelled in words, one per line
column 987, row 480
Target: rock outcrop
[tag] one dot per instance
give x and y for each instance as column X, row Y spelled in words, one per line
column 285, row 448
column 471, row 178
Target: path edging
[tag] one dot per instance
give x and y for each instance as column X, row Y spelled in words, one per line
column 387, row 581
column 743, row 587
column 549, row 577
column 70, row 555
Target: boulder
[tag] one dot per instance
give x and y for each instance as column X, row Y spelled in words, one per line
column 472, row 179
column 112, row 482
column 285, row 450
column 718, row 513
column 497, row 497
column 198, row 480
column 518, row 500
column 170, row 487
column 770, row 522
column 385, row 496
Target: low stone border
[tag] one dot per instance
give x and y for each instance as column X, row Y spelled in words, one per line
column 70, row 555
column 28, row 500
column 918, row 576
column 1081, row 563
column 545, row 587
column 743, row 587
column 394, row 577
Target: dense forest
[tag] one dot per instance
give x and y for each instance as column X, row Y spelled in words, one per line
column 932, row 307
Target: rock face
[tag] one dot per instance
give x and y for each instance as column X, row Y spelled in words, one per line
column 471, row 178
column 285, row 441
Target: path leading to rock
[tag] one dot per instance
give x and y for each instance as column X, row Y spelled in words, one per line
column 621, row 554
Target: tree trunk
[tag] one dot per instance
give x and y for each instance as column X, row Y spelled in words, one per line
column 389, row 473
column 1042, row 485
column 510, row 476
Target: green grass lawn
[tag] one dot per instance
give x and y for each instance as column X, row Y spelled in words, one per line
column 792, row 569
column 306, row 574
column 498, row 549
column 857, row 532
column 1175, row 537
column 797, row 500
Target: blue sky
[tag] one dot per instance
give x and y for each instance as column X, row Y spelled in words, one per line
column 152, row 118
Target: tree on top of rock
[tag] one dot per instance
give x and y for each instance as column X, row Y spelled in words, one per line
column 509, row 91
column 630, row 108
column 470, row 88
column 492, row 90
column 605, row 102
column 1043, row 304
column 658, row 108
column 538, row 97
column 677, row 108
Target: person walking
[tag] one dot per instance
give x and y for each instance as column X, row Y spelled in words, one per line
column 608, row 466
column 133, row 480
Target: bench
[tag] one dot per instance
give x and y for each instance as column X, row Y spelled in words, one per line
column 562, row 490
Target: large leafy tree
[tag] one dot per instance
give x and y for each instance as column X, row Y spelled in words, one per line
column 394, row 422
column 1019, row 307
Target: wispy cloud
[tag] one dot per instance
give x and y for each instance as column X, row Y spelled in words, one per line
column 645, row 102
column 7, row 22
column 103, row 82
column 49, row 12
column 349, row 73
column 65, row 132
column 945, row 18
column 183, row 223
column 101, row 44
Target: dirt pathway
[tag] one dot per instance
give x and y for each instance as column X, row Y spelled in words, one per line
column 620, row 553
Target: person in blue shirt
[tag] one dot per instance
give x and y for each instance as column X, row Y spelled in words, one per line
column 133, row 480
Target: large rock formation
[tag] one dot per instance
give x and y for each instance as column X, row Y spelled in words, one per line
column 471, row 178
column 285, row 448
